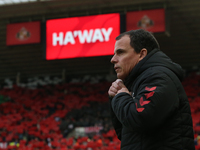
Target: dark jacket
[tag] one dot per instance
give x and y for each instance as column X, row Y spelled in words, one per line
column 157, row 115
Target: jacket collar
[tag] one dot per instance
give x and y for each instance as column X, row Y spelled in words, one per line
column 154, row 58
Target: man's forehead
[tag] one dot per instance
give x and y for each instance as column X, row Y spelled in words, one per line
column 122, row 43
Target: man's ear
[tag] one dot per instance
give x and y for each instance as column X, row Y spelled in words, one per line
column 143, row 53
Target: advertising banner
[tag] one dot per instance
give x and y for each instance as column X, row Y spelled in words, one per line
column 23, row 33
column 82, row 36
column 150, row 20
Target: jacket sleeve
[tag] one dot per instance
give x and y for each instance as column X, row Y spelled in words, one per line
column 116, row 123
column 156, row 100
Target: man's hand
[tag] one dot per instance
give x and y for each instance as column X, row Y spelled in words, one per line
column 117, row 87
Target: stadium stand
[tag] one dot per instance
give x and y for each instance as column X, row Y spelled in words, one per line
column 46, row 117
column 48, row 114
column 191, row 85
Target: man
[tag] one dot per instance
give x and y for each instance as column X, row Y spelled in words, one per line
column 149, row 107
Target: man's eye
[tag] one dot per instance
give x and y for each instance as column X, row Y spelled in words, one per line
column 120, row 52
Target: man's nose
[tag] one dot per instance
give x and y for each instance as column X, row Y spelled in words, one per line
column 113, row 59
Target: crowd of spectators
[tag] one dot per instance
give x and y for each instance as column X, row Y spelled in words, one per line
column 44, row 113
column 192, row 87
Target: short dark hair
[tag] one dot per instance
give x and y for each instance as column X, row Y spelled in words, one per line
column 140, row 39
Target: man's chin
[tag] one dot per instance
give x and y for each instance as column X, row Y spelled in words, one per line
column 120, row 77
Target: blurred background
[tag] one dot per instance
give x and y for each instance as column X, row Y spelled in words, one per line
column 55, row 67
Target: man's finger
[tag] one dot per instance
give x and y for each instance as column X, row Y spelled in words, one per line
column 120, row 83
column 119, row 80
column 116, row 85
column 113, row 89
column 112, row 92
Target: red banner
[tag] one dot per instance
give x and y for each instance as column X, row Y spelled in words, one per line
column 82, row 36
column 23, row 33
column 151, row 20
column 93, row 129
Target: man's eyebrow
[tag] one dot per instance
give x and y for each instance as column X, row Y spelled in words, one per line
column 119, row 50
